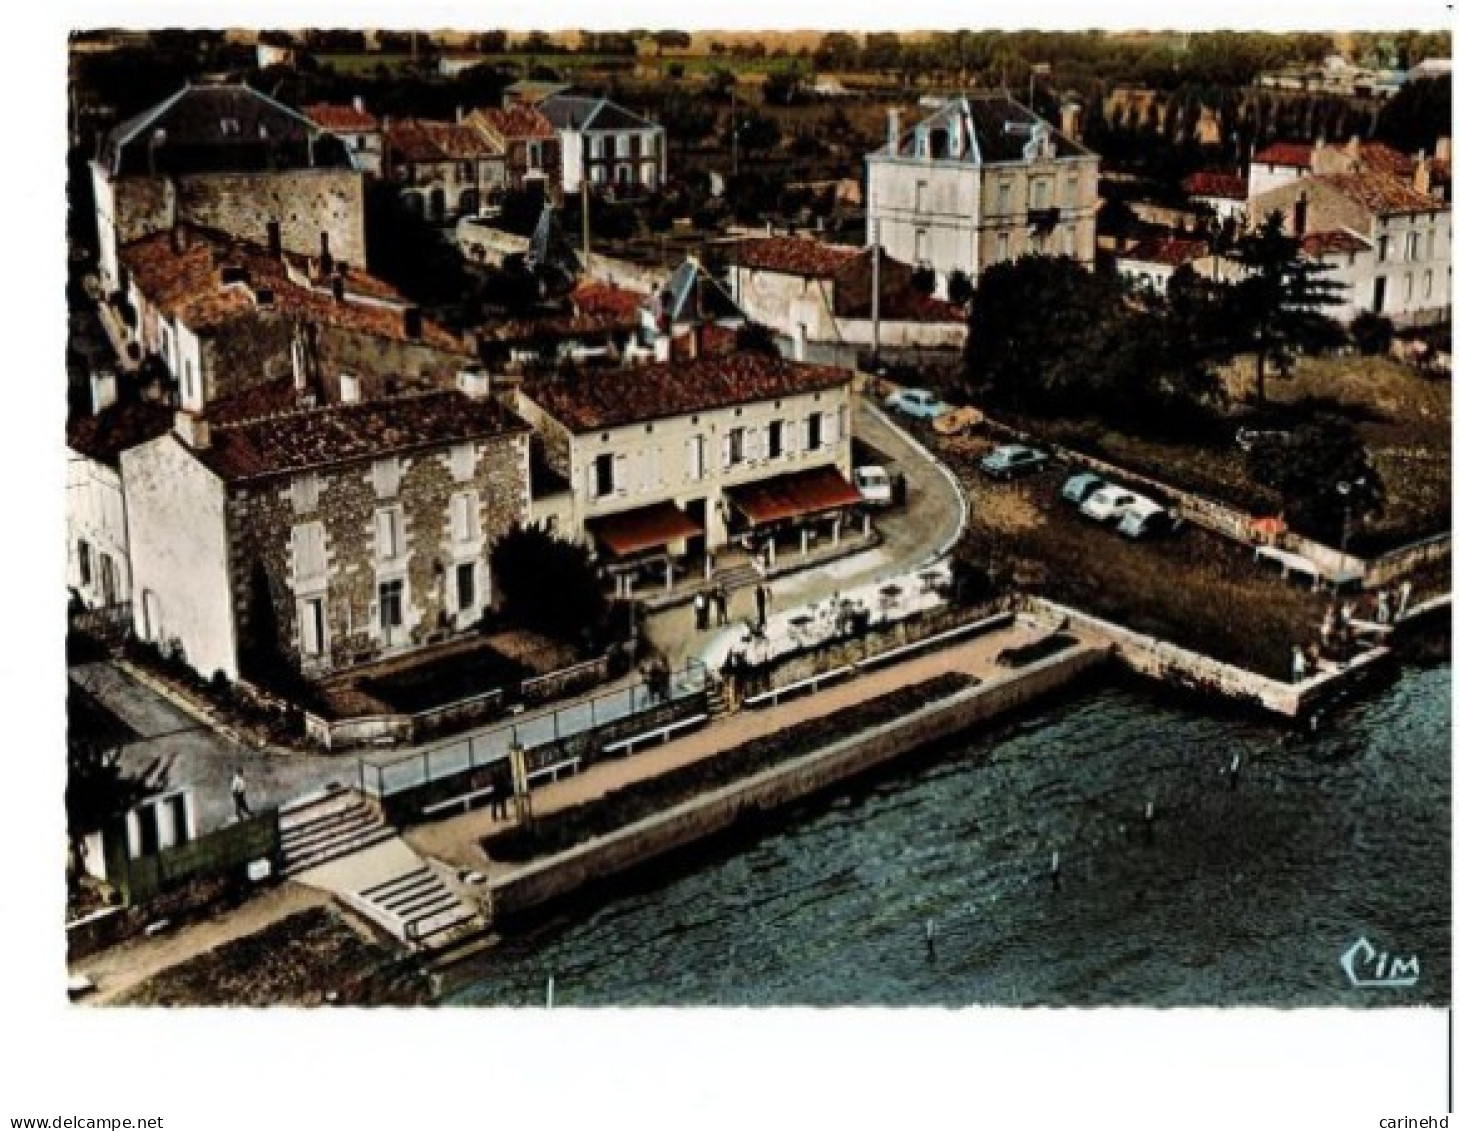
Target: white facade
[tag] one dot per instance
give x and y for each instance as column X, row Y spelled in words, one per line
column 97, row 557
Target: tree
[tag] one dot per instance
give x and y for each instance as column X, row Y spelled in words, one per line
column 781, row 88
column 1371, row 333
column 1417, row 116
column 671, row 39
column 758, row 132
column 99, row 788
column 549, row 585
column 1278, row 306
column 1324, row 474
column 959, row 288
column 923, row 280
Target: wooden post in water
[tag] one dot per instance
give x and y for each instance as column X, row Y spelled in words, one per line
column 551, row 987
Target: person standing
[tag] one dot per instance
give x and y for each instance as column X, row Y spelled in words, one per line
column 1405, row 591
column 1299, row 665
column 721, row 605
column 239, row 789
column 762, row 602
column 701, row 611
column 1383, row 615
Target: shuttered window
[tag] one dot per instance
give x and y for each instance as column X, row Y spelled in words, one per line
column 309, row 560
column 389, row 540
column 465, row 517
column 387, row 477
column 305, row 492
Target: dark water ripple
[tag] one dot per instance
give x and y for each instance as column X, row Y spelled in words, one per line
column 1245, row 896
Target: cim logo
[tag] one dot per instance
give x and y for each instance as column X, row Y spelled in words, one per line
column 1369, row 968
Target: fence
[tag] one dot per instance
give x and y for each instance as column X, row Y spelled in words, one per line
column 214, row 854
column 542, row 736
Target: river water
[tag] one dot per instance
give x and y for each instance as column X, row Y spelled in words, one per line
column 1244, row 896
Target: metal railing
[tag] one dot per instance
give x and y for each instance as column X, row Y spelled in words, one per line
column 382, row 776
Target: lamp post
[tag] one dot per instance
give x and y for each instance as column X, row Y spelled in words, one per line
column 1348, row 491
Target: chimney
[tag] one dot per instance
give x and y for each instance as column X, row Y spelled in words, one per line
column 336, row 288
column 192, row 430
column 474, row 381
column 460, row 114
column 1422, row 175
column 410, row 319
column 1299, row 217
column 359, row 103
column 349, row 389
column 103, row 390
column 275, row 240
column 1441, row 149
column 1354, row 147
column 662, row 347
column 1070, row 115
column 179, row 239
column 696, row 341
column 326, row 261
column 894, row 128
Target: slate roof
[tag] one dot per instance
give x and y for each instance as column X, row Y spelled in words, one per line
column 104, row 436
column 998, row 128
column 691, row 293
column 216, row 128
column 187, row 284
column 613, row 398
column 576, row 112
column 297, row 441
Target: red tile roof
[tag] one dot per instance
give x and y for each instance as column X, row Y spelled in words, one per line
column 515, row 122
column 1386, row 159
column 646, row 528
column 793, row 255
column 1169, row 251
column 1327, row 243
column 1222, row 186
column 345, row 118
column 422, row 140
column 185, row 283
column 1382, row 194
column 613, row 398
column 592, row 297
column 322, row 437
column 1290, row 153
column 715, row 340
column 812, row 491
column 106, row 435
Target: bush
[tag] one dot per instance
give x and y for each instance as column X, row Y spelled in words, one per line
column 1372, row 334
column 549, row 585
column 959, row 288
column 924, row 280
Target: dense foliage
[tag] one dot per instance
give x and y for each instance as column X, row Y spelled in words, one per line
column 549, row 585
column 1324, row 474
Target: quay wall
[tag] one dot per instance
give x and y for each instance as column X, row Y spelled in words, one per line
column 684, row 824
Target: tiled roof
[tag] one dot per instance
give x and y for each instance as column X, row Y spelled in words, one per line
column 1382, row 194
column 1169, row 251
column 219, row 127
column 713, row 341
column 322, row 437
column 186, row 284
column 1386, row 159
column 793, row 255
column 612, row 398
column 1223, row 186
column 347, row 118
column 106, row 435
column 419, row 139
column 1327, row 243
column 592, row 297
column 1289, row 153
column 514, row 122
column 810, row 491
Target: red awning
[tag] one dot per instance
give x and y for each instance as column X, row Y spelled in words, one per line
column 644, row 529
column 790, row 496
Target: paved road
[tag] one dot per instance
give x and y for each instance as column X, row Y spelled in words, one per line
column 929, row 523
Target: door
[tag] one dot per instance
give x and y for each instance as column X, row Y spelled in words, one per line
column 108, row 581
column 697, row 512
column 1380, row 293
column 392, row 610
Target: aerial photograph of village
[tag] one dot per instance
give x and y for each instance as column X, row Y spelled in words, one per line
column 570, row 519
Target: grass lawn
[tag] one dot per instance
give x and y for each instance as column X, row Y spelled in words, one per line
column 1196, row 589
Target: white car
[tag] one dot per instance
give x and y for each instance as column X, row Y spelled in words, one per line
column 920, row 404
column 874, row 484
column 1108, row 504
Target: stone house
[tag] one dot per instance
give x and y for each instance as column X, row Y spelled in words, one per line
column 657, row 466
column 225, row 315
column 609, row 146
column 354, row 125
column 1223, row 193
column 230, row 158
column 982, row 181
column 1147, row 264
column 531, row 146
column 443, row 170
column 810, row 291
column 329, row 536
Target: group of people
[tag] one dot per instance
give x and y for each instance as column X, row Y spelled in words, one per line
column 1337, row 635
column 715, row 602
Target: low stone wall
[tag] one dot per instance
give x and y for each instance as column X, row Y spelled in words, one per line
column 342, row 734
column 717, row 811
column 902, row 335
column 1171, row 664
column 566, row 681
column 490, row 245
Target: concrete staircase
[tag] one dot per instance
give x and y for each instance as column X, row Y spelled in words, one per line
column 325, row 826
column 716, row 699
column 418, row 907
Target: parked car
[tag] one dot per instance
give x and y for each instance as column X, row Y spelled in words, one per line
column 1108, row 504
column 1148, row 519
column 958, row 421
column 1008, row 460
column 1079, row 487
column 920, row 404
column 874, row 484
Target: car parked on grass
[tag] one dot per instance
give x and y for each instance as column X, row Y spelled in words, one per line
column 1148, row 519
column 920, row 404
column 1008, row 460
column 1109, row 503
column 1080, row 486
column 875, row 485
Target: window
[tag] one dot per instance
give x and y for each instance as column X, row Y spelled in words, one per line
column 775, row 439
column 1071, row 190
column 187, row 380
column 386, row 474
column 534, row 155
column 1428, row 284
column 1380, row 293
column 389, row 540
column 1408, row 287
column 1382, row 249
column 651, row 477
column 83, row 556
column 921, row 197
column 921, row 254
column 465, row 586
column 734, row 447
column 813, row 432
column 304, row 492
column 463, row 462
column 108, row 579
column 311, row 626
column 1040, row 192
column 1005, row 190
column 1429, row 245
column 465, row 517
column 392, row 604
column 595, row 147
column 464, row 172
column 309, row 557
column 694, row 457
column 1412, row 251
column 1002, row 247
column 603, row 475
